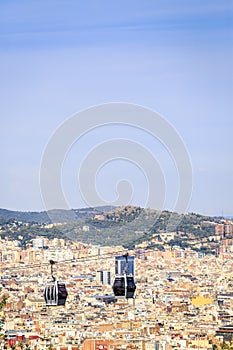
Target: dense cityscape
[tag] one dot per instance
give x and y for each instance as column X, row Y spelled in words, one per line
column 183, row 297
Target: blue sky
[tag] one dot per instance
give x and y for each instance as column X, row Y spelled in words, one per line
column 59, row 57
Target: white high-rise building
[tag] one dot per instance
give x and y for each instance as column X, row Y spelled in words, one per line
column 38, row 243
column 104, row 277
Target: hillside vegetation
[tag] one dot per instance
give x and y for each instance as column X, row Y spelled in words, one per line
column 128, row 226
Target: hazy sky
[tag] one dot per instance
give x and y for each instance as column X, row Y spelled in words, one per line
column 59, row 57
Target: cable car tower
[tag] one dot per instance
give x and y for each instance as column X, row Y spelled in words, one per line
column 55, row 292
column 124, row 285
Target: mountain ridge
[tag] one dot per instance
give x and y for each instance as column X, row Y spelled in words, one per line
column 129, row 226
column 62, row 215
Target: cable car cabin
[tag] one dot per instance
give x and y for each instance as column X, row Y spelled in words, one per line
column 124, row 286
column 55, row 293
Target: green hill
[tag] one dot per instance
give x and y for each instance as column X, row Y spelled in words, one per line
column 128, row 226
column 56, row 215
